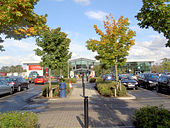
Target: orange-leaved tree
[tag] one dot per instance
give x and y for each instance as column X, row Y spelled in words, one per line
column 114, row 43
column 18, row 19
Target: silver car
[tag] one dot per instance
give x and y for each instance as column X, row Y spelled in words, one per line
column 5, row 87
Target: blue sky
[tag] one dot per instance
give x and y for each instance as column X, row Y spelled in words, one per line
column 77, row 18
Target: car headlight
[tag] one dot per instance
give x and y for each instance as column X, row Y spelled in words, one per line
column 125, row 83
column 150, row 82
column 136, row 83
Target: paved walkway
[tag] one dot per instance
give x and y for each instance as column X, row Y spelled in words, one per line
column 69, row 112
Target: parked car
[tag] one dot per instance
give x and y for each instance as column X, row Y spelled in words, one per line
column 148, row 80
column 108, row 77
column 129, row 82
column 5, row 87
column 40, row 79
column 122, row 76
column 18, row 82
column 163, row 84
column 32, row 76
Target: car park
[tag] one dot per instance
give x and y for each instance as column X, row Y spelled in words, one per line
column 40, row 80
column 148, row 80
column 129, row 82
column 18, row 82
column 163, row 84
column 5, row 87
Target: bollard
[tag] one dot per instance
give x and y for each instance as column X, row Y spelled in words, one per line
column 86, row 117
column 83, row 89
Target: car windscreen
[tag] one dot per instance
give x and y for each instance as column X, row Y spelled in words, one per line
column 153, row 76
column 9, row 79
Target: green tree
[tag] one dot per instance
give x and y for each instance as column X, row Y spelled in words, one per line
column 54, row 50
column 155, row 14
column 101, row 69
column 157, row 68
column 166, row 64
column 19, row 69
column 18, row 19
column 12, row 69
column 114, row 44
column 5, row 69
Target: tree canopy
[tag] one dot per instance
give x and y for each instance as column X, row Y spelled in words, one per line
column 54, row 50
column 155, row 14
column 114, row 44
column 18, row 19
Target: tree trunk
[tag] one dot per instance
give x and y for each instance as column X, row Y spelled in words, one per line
column 116, row 71
column 50, row 87
column 68, row 71
column 61, row 73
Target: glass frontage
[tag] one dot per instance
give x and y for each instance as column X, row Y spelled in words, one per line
column 137, row 67
column 82, row 65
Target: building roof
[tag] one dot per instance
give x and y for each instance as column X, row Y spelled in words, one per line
column 82, row 59
column 30, row 62
column 140, row 60
column 128, row 60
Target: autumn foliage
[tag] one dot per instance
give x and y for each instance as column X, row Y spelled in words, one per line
column 18, row 19
column 114, row 43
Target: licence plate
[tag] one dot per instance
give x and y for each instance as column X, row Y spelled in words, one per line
column 130, row 85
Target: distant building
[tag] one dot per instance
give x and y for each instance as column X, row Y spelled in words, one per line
column 85, row 66
column 139, row 65
column 34, row 66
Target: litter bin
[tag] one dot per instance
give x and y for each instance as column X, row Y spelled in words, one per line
column 62, row 87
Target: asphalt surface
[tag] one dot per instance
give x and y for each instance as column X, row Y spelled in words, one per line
column 18, row 100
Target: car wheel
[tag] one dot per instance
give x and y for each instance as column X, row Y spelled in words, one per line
column 19, row 88
column 157, row 89
column 28, row 86
column 11, row 91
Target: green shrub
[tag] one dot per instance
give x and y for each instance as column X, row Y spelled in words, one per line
column 122, row 92
column 55, row 90
column 18, row 120
column 73, row 80
column 107, row 88
column 92, row 80
column 152, row 117
column 99, row 80
column 95, row 80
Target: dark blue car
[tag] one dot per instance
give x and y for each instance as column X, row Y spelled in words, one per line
column 129, row 82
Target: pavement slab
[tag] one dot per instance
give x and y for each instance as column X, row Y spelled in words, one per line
column 69, row 112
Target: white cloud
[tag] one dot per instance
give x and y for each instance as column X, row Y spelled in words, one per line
column 83, row 2
column 22, row 45
column 98, row 15
column 79, row 50
column 10, row 60
column 153, row 49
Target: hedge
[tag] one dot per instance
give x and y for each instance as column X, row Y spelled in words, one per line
column 55, row 90
column 95, row 80
column 73, row 80
column 108, row 89
column 152, row 117
column 18, row 120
